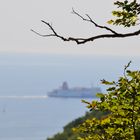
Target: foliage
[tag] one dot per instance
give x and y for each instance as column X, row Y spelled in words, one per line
column 128, row 13
column 122, row 101
column 68, row 133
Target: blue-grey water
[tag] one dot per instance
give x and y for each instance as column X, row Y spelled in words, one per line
column 34, row 75
column 36, row 118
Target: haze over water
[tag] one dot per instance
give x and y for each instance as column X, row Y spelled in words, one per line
column 36, row 74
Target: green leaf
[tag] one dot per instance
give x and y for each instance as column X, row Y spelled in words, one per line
column 111, row 88
column 110, row 21
column 107, row 82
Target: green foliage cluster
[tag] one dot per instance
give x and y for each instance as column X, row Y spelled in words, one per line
column 128, row 13
column 68, row 133
column 123, row 103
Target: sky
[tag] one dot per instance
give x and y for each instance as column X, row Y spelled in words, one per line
column 28, row 61
column 18, row 17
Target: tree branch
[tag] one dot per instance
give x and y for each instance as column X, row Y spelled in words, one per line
column 113, row 33
column 90, row 20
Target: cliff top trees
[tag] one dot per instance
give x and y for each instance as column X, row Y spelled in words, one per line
column 122, row 101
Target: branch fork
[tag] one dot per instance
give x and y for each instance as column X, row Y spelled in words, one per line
column 112, row 34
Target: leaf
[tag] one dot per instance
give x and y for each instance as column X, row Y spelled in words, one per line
column 86, row 102
column 126, row 66
column 100, row 95
column 107, row 82
column 111, row 89
column 110, row 21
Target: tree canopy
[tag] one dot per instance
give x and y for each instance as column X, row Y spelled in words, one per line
column 122, row 101
column 126, row 15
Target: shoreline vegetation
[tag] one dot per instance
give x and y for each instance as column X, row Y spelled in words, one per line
column 68, row 133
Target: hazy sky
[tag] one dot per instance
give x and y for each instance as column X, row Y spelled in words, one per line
column 36, row 65
column 19, row 16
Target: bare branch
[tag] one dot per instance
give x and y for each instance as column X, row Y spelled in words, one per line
column 85, row 40
column 95, row 24
column 113, row 34
column 50, row 35
column 42, row 34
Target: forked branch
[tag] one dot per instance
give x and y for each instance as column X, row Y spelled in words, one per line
column 112, row 34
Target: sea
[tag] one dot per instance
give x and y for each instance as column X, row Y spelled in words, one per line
column 36, row 117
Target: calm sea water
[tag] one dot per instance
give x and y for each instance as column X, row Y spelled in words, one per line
column 36, row 118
